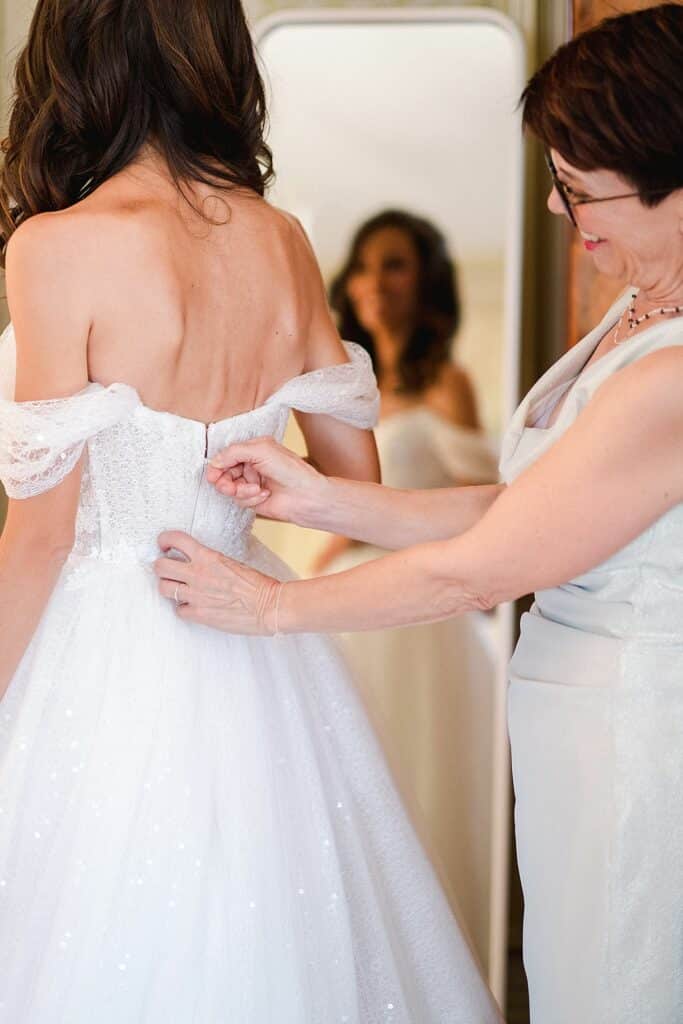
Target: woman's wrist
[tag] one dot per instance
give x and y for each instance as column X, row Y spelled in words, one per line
column 317, row 506
column 268, row 609
column 277, row 618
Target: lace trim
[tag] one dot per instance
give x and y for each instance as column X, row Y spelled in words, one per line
column 41, row 442
column 348, row 391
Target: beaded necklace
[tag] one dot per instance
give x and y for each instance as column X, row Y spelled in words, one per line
column 634, row 320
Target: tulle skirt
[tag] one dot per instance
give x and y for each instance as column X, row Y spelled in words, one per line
column 198, row 827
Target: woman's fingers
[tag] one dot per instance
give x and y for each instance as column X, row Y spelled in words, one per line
column 179, row 541
column 218, row 478
column 248, row 452
column 221, row 592
column 224, row 484
column 251, row 475
column 253, row 502
column 215, row 475
column 241, row 481
column 178, row 592
column 172, row 569
column 270, row 464
column 190, row 614
column 242, row 492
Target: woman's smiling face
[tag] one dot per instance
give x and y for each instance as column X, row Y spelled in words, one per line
column 640, row 244
column 383, row 283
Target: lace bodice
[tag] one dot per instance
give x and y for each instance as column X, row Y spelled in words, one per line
column 145, row 469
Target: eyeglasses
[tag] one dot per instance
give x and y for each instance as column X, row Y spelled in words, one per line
column 569, row 201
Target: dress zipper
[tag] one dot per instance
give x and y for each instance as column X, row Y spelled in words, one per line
column 201, row 479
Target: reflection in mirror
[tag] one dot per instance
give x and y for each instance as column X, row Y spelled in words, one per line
column 415, row 113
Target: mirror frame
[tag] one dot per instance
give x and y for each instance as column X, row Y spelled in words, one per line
column 501, row 781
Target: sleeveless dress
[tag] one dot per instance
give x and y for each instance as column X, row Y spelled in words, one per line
column 596, row 727
column 197, row 827
column 429, row 688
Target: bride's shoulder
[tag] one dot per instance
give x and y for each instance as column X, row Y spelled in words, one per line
column 48, row 280
column 56, row 249
column 33, row 236
column 291, row 228
column 288, row 221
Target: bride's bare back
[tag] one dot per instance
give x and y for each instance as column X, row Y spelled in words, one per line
column 203, row 319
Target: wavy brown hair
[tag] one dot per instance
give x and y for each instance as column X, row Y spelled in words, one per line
column 613, row 98
column 97, row 79
column 429, row 347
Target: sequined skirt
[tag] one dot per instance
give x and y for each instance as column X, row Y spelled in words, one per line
column 199, row 827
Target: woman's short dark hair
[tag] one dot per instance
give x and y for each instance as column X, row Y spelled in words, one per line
column 99, row 78
column 438, row 318
column 613, row 98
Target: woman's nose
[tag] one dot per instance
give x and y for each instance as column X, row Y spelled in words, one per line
column 554, row 203
column 374, row 282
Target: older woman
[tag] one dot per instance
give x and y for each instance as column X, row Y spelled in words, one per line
column 590, row 517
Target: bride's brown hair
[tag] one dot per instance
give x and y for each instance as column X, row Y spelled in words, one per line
column 99, row 78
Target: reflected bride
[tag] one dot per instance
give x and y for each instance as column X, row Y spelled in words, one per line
column 381, row 141
column 428, row 689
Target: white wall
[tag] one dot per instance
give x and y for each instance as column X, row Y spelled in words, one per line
column 16, row 16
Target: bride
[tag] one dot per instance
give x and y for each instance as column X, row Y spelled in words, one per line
column 196, row 827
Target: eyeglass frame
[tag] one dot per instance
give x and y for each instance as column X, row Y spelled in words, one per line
column 569, row 205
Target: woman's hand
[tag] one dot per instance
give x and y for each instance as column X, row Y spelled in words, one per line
column 215, row 590
column 264, row 475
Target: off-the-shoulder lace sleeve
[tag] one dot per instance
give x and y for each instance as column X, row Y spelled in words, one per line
column 347, row 391
column 41, row 442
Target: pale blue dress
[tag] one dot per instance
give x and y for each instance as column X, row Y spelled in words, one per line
column 596, row 726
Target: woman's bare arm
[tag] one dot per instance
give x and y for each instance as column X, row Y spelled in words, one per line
column 614, row 473
column 335, row 448
column 35, row 543
column 51, row 328
column 264, row 475
column 395, row 519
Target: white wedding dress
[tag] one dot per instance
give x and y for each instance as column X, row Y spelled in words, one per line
column 197, row 827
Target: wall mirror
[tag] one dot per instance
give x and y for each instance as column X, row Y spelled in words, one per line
column 417, row 110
